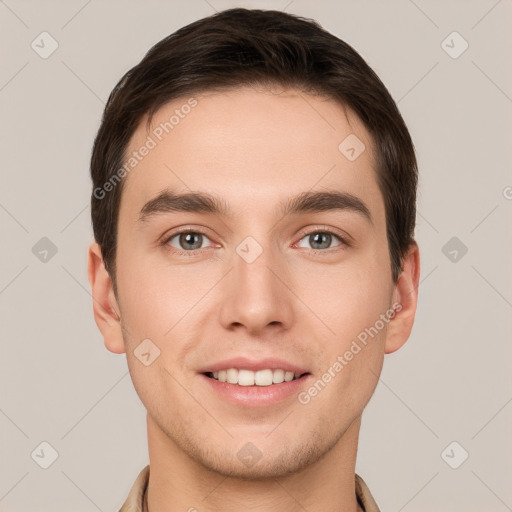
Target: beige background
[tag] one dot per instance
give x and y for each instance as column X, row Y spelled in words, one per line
column 451, row 382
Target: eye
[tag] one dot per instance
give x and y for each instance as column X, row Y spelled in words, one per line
column 320, row 240
column 187, row 241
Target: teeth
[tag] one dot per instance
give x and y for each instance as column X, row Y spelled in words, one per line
column 232, row 376
column 278, row 376
column 250, row 378
column 244, row 377
column 263, row 378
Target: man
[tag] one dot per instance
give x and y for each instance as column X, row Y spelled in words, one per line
column 253, row 206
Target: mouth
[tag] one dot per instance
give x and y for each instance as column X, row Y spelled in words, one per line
column 255, row 389
column 259, row 378
column 255, row 383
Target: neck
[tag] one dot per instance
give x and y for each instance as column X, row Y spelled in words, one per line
column 179, row 483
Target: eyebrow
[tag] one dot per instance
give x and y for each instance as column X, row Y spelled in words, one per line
column 203, row 202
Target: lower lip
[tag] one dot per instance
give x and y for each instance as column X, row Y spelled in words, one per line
column 256, row 396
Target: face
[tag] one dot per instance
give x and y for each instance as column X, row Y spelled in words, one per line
column 276, row 286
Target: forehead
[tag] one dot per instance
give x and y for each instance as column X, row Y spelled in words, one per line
column 250, row 144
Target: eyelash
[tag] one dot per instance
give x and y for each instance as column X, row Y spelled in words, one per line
column 194, row 252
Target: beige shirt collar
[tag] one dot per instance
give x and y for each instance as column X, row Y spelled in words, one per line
column 136, row 501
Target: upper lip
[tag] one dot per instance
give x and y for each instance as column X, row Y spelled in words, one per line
column 243, row 363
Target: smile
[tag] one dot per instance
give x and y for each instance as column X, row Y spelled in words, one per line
column 243, row 377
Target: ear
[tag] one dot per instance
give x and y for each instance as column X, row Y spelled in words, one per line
column 405, row 297
column 104, row 301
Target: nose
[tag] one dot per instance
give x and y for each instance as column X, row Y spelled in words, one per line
column 256, row 294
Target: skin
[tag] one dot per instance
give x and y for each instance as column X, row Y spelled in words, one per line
column 254, row 148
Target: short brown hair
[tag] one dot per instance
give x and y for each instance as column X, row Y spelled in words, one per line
column 240, row 47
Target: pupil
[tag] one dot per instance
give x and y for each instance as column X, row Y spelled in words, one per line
column 313, row 239
column 187, row 238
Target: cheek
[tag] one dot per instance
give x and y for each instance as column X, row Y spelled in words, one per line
column 347, row 298
column 155, row 294
column 351, row 303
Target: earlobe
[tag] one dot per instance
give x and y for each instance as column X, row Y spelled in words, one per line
column 405, row 300
column 105, row 307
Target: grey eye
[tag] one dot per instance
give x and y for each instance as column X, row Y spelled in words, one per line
column 320, row 240
column 188, row 241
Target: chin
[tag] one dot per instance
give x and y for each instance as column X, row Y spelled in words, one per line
column 259, row 458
